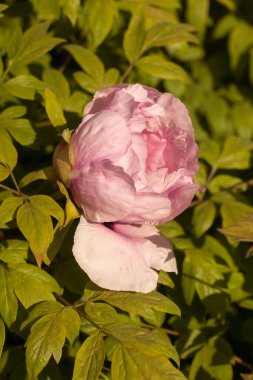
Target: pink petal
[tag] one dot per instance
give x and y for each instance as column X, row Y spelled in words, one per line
column 138, row 92
column 103, row 136
column 181, row 197
column 117, row 101
column 104, row 192
column 149, row 207
column 111, row 260
column 176, row 112
column 156, row 249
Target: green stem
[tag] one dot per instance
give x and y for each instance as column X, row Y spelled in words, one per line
column 126, row 73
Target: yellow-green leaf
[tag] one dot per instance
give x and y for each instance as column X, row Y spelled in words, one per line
column 54, row 109
column 90, row 358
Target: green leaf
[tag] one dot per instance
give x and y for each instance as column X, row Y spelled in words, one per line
column 8, row 301
column 223, row 181
column 47, row 174
column 87, row 60
column 209, row 151
column 14, row 251
column 8, row 156
column 70, row 10
column 48, row 205
column 243, row 230
column 100, row 20
column 35, row 43
column 24, row 86
column 203, row 217
column 164, row 279
column 71, row 210
column 54, row 109
column 240, row 40
column 48, row 335
column 86, row 81
column 3, row 7
column 197, row 15
column 57, row 82
column 233, row 212
column 31, row 284
column 137, row 303
column 133, row 47
column 163, row 34
column 90, row 358
column 214, row 359
column 111, row 77
column 8, row 208
column 37, row 228
column 160, row 67
column 141, row 355
column 235, row 154
column 22, row 131
column 2, row 336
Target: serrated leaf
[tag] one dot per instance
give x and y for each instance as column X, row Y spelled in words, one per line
column 47, row 174
column 133, row 47
column 31, row 284
column 2, row 336
column 203, row 217
column 48, row 205
column 47, row 337
column 88, row 61
column 37, row 228
column 8, row 208
column 141, row 355
column 54, row 109
column 90, row 358
column 160, row 67
column 137, row 303
column 24, row 86
column 100, row 19
column 8, row 301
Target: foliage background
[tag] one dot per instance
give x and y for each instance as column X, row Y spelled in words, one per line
column 54, row 323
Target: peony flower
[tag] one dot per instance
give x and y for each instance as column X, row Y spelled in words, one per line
column 133, row 161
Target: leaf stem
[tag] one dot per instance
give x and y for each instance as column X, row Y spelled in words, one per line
column 9, row 189
column 127, row 72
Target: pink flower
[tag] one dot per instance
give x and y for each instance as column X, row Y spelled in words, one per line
column 134, row 161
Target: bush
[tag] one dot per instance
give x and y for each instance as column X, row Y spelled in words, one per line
column 56, row 324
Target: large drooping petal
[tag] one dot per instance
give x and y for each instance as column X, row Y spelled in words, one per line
column 105, row 192
column 112, row 260
column 104, row 136
column 121, row 258
column 156, row 249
